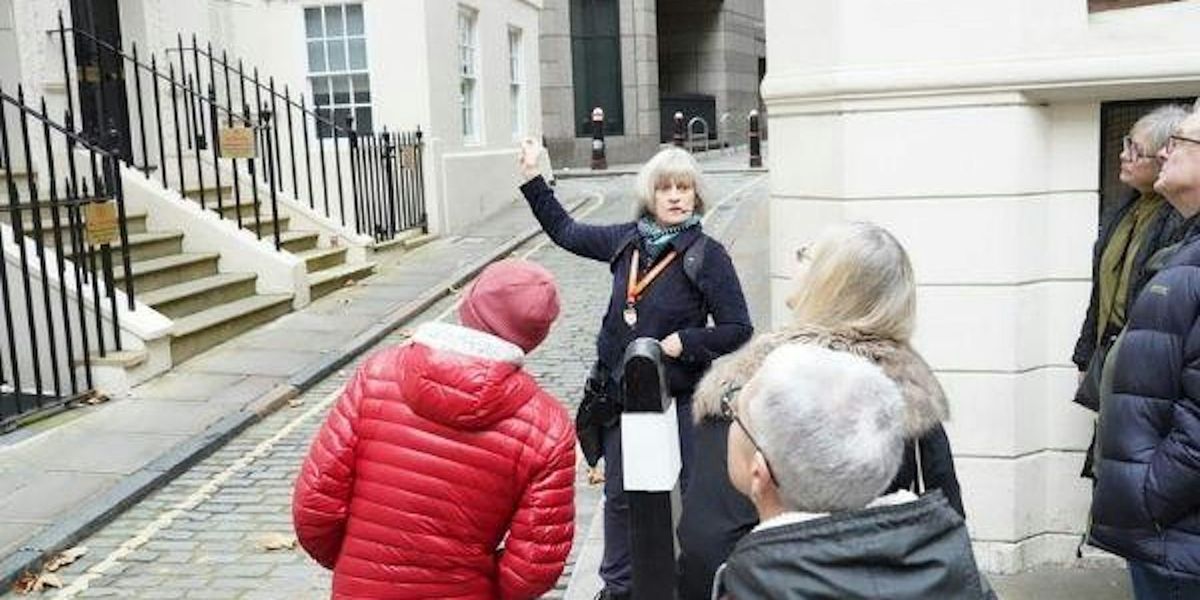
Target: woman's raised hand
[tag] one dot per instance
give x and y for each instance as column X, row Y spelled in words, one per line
column 527, row 159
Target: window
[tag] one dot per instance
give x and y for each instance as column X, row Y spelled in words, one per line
column 516, row 82
column 337, row 65
column 596, row 65
column 468, row 59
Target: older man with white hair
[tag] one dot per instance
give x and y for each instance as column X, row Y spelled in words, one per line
column 817, row 437
column 1146, row 503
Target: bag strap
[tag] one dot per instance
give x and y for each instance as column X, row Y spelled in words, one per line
column 919, row 478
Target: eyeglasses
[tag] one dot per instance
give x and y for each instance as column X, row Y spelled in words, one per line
column 729, row 414
column 1131, row 149
column 1174, row 139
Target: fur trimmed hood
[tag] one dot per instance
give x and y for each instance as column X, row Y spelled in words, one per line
column 925, row 402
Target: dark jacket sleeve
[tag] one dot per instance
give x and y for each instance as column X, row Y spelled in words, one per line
column 597, row 242
column 1086, row 344
column 937, row 465
column 1174, row 474
column 722, row 291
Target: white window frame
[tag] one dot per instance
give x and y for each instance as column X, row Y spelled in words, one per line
column 516, row 80
column 470, row 103
column 326, row 76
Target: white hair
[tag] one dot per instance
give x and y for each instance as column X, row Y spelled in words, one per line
column 830, row 424
column 1159, row 124
column 671, row 164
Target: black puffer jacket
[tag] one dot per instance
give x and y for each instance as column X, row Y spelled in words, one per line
column 916, row 550
column 1146, row 504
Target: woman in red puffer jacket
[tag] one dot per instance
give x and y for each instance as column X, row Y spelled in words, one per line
column 438, row 450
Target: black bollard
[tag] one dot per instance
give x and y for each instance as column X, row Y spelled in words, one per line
column 650, row 449
column 599, row 161
column 677, row 138
column 755, row 142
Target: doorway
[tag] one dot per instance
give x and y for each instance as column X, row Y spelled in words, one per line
column 103, row 104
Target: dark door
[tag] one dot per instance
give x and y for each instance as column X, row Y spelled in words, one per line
column 103, row 106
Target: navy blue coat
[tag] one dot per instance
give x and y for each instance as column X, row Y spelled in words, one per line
column 671, row 304
column 1146, row 503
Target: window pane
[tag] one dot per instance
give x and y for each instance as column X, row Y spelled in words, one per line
column 312, row 22
column 341, row 90
column 323, row 129
column 358, row 53
column 362, row 120
column 320, row 86
column 316, row 57
column 340, row 115
column 354, row 19
column 333, row 22
column 362, row 89
column 337, row 54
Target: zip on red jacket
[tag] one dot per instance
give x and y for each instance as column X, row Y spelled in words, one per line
column 437, row 452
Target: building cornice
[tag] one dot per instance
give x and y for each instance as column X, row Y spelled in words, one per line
column 1037, row 78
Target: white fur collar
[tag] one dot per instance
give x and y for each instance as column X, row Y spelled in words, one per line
column 471, row 342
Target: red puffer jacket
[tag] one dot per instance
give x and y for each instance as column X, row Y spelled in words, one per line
column 434, row 452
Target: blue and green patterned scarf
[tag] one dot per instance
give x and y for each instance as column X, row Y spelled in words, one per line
column 655, row 237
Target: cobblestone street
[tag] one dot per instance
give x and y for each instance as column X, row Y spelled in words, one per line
column 223, row 528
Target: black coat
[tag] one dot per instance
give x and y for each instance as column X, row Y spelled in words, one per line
column 1162, row 228
column 715, row 514
column 671, row 304
column 1146, row 502
column 916, row 550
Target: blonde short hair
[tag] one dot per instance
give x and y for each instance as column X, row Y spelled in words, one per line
column 669, row 165
column 860, row 278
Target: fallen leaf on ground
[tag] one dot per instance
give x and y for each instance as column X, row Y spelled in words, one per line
column 95, row 398
column 276, row 541
column 29, row 583
column 65, row 558
column 294, row 402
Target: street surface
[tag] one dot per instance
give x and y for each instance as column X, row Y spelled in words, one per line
column 223, row 528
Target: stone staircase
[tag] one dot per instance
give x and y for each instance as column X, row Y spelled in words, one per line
column 327, row 267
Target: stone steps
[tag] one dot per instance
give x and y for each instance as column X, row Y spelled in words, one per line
column 202, row 330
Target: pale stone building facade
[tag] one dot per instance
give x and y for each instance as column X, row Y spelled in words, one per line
column 972, row 130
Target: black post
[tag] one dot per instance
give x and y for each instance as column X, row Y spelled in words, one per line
column 599, row 161
column 265, row 116
column 677, row 137
column 651, row 530
column 755, row 142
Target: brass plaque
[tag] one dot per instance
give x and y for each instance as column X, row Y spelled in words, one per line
column 408, row 157
column 90, row 73
column 100, row 222
column 236, row 142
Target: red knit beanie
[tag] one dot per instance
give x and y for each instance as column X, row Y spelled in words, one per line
column 515, row 300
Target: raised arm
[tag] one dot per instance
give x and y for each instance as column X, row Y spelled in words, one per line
column 597, row 242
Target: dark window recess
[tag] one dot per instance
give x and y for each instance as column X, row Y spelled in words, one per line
column 1116, row 118
column 1099, row 5
column 596, row 64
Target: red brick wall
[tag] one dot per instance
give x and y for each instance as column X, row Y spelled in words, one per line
column 1099, row 5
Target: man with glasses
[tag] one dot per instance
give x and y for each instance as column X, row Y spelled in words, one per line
column 1129, row 235
column 817, row 436
column 1146, row 503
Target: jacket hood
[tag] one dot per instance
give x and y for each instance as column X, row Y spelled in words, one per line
column 925, row 403
column 463, row 378
column 917, row 549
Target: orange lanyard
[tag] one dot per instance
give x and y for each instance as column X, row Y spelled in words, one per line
column 636, row 286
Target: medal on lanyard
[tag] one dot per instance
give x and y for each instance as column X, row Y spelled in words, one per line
column 636, row 287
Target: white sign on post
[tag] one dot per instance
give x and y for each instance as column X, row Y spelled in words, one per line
column 650, row 450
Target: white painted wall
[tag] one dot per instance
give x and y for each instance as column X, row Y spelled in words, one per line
column 971, row 130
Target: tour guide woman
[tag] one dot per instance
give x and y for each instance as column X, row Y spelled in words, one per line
column 653, row 295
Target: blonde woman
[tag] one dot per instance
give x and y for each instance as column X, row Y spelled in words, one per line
column 854, row 293
column 669, row 278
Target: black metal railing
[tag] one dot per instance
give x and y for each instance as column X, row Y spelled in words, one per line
column 166, row 140
column 370, row 183
column 63, row 210
column 385, row 196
